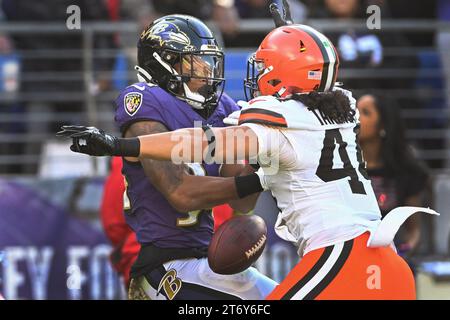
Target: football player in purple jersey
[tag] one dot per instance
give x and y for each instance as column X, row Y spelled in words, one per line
column 180, row 68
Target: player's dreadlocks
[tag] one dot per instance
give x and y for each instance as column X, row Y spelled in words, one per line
column 334, row 105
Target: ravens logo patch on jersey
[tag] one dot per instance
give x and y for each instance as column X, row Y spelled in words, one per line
column 132, row 102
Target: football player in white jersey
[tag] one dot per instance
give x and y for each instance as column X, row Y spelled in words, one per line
column 302, row 130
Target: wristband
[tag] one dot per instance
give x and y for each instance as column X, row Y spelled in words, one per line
column 247, row 185
column 128, row 147
column 255, row 166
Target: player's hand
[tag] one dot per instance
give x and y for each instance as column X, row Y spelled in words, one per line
column 90, row 140
column 233, row 118
column 243, row 104
column 281, row 18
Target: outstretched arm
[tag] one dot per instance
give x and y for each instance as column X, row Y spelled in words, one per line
column 219, row 145
column 191, row 145
column 184, row 192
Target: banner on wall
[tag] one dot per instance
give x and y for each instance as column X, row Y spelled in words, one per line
column 52, row 245
column 48, row 252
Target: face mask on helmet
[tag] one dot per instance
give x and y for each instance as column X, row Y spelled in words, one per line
column 180, row 54
column 255, row 70
column 195, row 77
column 202, row 77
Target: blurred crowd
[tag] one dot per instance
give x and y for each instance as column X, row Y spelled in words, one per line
column 40, row 83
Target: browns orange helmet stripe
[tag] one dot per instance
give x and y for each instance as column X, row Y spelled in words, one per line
column 329, row 58
column 325, row 58
column 289, row 69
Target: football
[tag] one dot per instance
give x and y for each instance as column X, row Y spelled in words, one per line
column 237, row 243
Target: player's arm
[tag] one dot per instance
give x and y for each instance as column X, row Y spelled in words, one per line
column 183, row 191
column 220, row 145
column 192, row 145
column 246, row 204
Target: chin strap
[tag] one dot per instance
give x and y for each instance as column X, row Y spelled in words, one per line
column 143, row 75
column 196, row 100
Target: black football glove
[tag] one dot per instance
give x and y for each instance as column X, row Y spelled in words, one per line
column 97, row 142
column 279, row 18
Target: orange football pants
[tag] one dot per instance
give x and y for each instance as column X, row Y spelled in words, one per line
column 348, row 271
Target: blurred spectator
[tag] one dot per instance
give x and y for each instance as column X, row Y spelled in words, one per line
column 253, row 9
column 201, row 9
column 123, row 239
column 249, row 9
column 398, row 178
column 411, row 9
column 375, row 60
column 364, row 49
column 5, row 43
column 357, row 49
column 259, row 9
column 222, row 12
column 225, row 15
column 52, row 64
column 140, row 11
column 9, row 104
column 443, row 45
column 51, row 11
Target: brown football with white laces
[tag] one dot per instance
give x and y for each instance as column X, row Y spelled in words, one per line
column 237, row 244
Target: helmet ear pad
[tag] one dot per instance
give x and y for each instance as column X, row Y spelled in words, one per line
column 167, row 80
column 160, row 74
column 154, row 67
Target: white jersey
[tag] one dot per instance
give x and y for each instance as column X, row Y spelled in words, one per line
column 316, row 173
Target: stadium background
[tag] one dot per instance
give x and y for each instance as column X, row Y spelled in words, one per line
column 51, row 241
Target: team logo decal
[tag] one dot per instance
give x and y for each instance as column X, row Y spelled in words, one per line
column 170, row 283
column 166, row 33
column 302, row 46
column 132, row 102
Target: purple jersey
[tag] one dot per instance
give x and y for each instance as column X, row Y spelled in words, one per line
column 149, row 214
